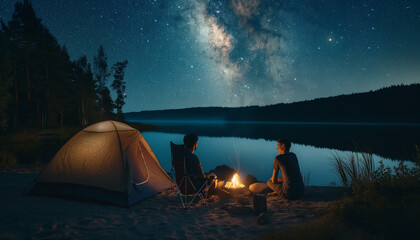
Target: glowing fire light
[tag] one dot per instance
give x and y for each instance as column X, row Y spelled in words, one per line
column 234, row 183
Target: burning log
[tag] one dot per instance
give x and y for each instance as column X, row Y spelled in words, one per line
column 234, row 183
column 232, row 189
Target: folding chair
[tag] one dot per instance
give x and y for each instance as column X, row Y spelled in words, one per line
column 184, row 185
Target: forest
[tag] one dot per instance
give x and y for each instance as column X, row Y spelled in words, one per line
column 395, row 104
column 41, row 87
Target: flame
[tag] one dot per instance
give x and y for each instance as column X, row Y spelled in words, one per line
column 234, row 183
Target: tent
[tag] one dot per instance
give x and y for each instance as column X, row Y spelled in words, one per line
column 108, row 161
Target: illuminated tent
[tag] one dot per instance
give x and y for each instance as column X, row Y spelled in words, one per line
column 108, row 161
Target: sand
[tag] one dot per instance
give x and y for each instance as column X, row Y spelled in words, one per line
column 158, row 217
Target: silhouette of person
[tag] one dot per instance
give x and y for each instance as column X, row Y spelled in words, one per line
column 193, row 165
column 290, row 185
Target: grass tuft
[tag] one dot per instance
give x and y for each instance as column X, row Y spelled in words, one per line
column 356, row 168
column 384, row 203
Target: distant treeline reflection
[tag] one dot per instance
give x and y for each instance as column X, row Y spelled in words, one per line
column 388, row 141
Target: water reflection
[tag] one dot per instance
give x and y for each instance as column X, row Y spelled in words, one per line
column 251, row 156
column 388, row 141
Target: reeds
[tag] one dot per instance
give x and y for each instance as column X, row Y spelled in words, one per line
column 356, row 168
column 383, row 203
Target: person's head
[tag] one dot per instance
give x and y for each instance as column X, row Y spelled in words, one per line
column 191, row 141
column 283, row 146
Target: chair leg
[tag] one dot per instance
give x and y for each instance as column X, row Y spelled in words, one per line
column 197, row 194
column 184, row 199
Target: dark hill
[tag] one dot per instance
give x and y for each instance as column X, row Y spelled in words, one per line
column 395, row 104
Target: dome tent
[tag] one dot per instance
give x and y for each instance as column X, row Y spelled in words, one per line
column 108, row 161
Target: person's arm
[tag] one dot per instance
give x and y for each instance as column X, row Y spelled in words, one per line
column 274, row 177
column 275, row 171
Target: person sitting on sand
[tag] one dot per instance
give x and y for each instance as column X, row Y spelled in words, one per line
column 193, row 165
column 290, row 185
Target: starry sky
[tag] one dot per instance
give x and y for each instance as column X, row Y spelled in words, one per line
column 194, row 53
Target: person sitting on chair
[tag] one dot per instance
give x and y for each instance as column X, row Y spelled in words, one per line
column 193, row 165
column 290, row 185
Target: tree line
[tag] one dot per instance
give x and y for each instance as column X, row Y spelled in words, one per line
column 41, row 87
column 395, row 104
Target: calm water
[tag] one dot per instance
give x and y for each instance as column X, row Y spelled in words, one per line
column 251, row 147
column 252, row 156
column 386, row 140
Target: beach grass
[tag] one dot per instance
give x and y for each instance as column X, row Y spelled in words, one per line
column 382, row 203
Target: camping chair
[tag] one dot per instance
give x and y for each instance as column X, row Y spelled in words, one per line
column 184, row 184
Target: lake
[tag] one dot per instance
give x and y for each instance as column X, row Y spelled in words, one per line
column 250, row 148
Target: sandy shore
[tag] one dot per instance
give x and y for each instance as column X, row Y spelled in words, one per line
column 159, row 217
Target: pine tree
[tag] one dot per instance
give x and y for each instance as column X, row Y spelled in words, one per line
column 119, row 86
column 23, row 32
column 88, row 110
column 40, row 70
column 108, row 104
column 40, row 86
column 63, row 95
column 101, row 74
column 6, row 78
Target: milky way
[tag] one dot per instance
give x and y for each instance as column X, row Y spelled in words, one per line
column 241, row 52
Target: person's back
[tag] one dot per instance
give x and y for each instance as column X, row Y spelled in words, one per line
column 292, row 184
column 193, row 165
column 192, row 162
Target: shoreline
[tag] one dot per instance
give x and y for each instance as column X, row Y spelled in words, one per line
column 158, row 217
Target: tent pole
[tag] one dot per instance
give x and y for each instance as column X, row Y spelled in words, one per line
column 125, row 164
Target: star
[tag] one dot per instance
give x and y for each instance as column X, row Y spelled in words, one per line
column 255, row 50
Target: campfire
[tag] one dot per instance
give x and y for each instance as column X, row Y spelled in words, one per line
column 233, row 188
column 234, row 183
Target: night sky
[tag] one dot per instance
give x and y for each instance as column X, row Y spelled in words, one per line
column 241, row 52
